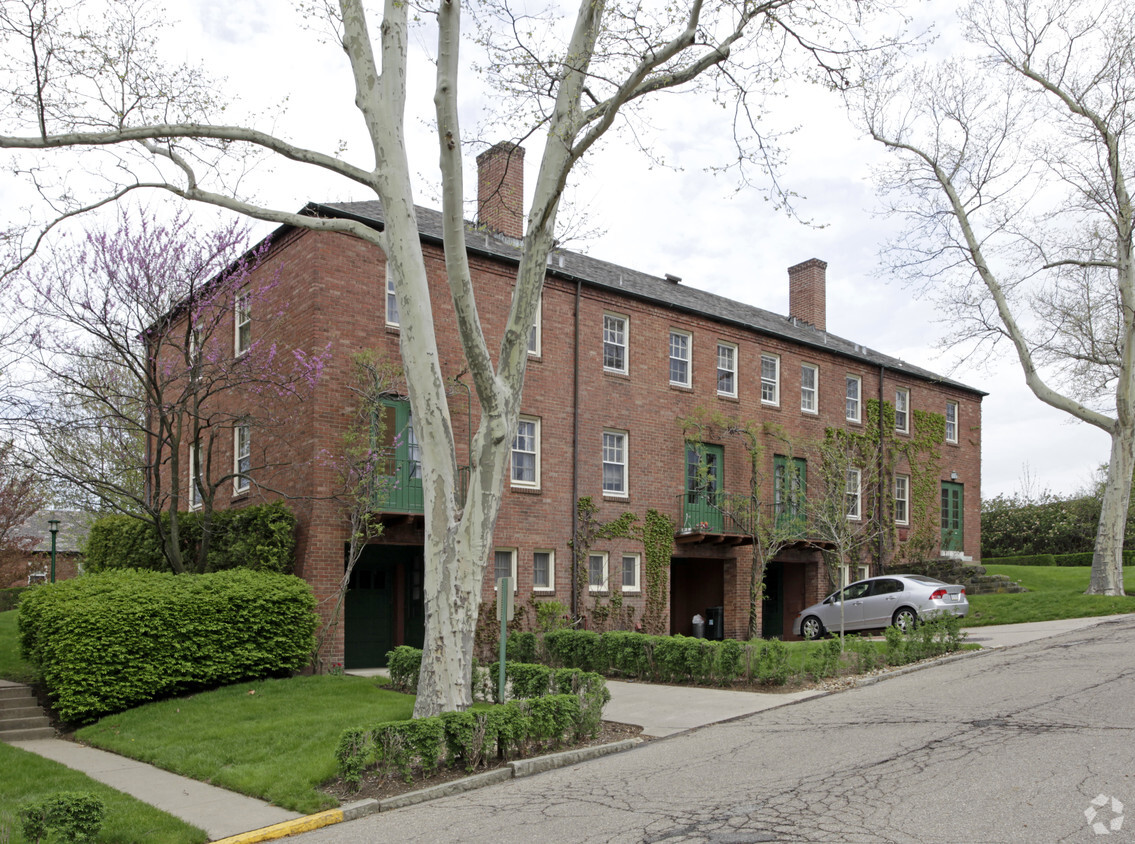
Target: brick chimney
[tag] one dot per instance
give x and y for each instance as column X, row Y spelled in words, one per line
column 500, row 189
column 807, row 292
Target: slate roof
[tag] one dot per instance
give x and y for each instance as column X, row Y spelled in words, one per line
column 74, row 525
column 659, row 291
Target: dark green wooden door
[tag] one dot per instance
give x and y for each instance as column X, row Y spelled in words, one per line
column 396, row 441
column 703, row 484
column 953, row 497
column 790, row 488
column 369, row 614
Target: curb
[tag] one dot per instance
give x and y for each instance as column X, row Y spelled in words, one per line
column 362, row 808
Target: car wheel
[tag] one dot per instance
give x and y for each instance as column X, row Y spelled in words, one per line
column 811, row 628
column 904, row 619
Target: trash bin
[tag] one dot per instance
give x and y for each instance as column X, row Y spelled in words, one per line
column 699, row 627
column 715, row 623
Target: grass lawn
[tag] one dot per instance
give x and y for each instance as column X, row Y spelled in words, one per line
column 11, row 666
column 272, row 739
column 30, row 777
column 1054, row 592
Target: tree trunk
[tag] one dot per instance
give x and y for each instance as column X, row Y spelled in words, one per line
column 1107, row 561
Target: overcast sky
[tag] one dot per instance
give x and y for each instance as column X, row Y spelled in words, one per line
column 679, row 220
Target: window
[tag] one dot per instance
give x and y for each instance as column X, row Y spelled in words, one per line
column 809, row 386
column 845, row 575
column 770, row 379
column 597, row 572
column 504, row 565
column 614, row 463
column 526, row 453
column 391, row 304
column 854, row 389
column 951, row 421
column 196, row 487
column 413, row 450
column 534, row 334
column 902, row 411
column 726, row 369
column 679, row 358
column 614, row 343
column 630, row 572
column 544, row 571
column 242, row 458
column 902, row 499
column 853, row 495
column 242, row 321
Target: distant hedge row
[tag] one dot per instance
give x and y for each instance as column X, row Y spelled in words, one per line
column 9, row 598
column 1010, row 527
column 106, row 642
column 261, row 538
column 1083, row 559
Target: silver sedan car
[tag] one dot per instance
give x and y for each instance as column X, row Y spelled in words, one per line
column 877, row 602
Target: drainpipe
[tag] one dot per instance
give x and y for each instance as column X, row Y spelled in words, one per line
column 575, row 459
column 882, row 478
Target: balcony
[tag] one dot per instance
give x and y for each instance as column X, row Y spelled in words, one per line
column 399, row 490
column 722, row 518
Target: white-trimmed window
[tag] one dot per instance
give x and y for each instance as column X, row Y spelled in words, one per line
column 242, row 323
column 534, row 337
column 951, row 421
column 392, row 318
column 902, row 411
column 902, row 499
column 196, row 487
column 504, row 565
column 680, row 358
column 726, row 369
column 854, row 394
column 861, row 573
column 809, row 388
column 544, row 571
column 615, row 463
column 770, row 379
column 615, row 343
column 597, row 572
column 632, row 566
column 242, row 458
column 854, row 508
column 526, row 453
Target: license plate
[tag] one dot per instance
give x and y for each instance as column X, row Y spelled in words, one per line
column 955, row 597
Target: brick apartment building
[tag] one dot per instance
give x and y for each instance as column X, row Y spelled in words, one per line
column 617, row 358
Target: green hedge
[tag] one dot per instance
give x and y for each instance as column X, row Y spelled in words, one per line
column 107, row 642
column 261, row 538
column 549, row 707
column 1069, row 560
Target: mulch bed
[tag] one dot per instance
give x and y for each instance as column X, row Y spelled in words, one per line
column 380, row 787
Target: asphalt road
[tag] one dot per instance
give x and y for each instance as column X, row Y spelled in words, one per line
column 1011, row 745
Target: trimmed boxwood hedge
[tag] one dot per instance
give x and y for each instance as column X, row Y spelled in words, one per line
column 261, row 537
column 107, row 642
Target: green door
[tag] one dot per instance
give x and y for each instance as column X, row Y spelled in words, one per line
column 703, row 484
column 952, row 500
column 772, row 605
column 369, row 613
column 395, row 440
column 789, row 491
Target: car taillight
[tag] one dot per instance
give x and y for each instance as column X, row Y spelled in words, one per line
column 937, row 594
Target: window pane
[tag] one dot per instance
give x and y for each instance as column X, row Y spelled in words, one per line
column 614, row 463
column 524, row 452
column 852, row 398
column 808, row 388
column 679, row 358
column 502, row 565
column 630, row 572
column 614, row 343
column 770, row 379
column 391, row 303
column 595, row 566
column 726, row 369
column 542, row 569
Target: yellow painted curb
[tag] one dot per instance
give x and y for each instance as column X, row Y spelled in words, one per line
column 282, row 830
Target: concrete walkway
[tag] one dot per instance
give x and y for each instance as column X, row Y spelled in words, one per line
column 659, row 710
column 219, row 812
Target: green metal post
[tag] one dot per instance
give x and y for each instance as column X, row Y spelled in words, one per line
column 53, row 526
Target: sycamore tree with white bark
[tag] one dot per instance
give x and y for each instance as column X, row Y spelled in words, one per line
column 88, row 77
column 1011, row 168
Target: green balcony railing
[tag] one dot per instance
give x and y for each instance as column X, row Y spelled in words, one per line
column 399, row 489
column 729, row 514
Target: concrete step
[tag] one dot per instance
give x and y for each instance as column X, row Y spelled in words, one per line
column 21, row 717
column 27, row 734
column 24, row 723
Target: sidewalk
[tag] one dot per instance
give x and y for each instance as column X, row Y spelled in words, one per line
column 659, row 710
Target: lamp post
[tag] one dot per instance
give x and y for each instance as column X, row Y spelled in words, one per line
column 53, row 526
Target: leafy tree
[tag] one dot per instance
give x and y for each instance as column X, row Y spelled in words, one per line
column 130, row 334
column 73, row 80
column 1011, row 168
